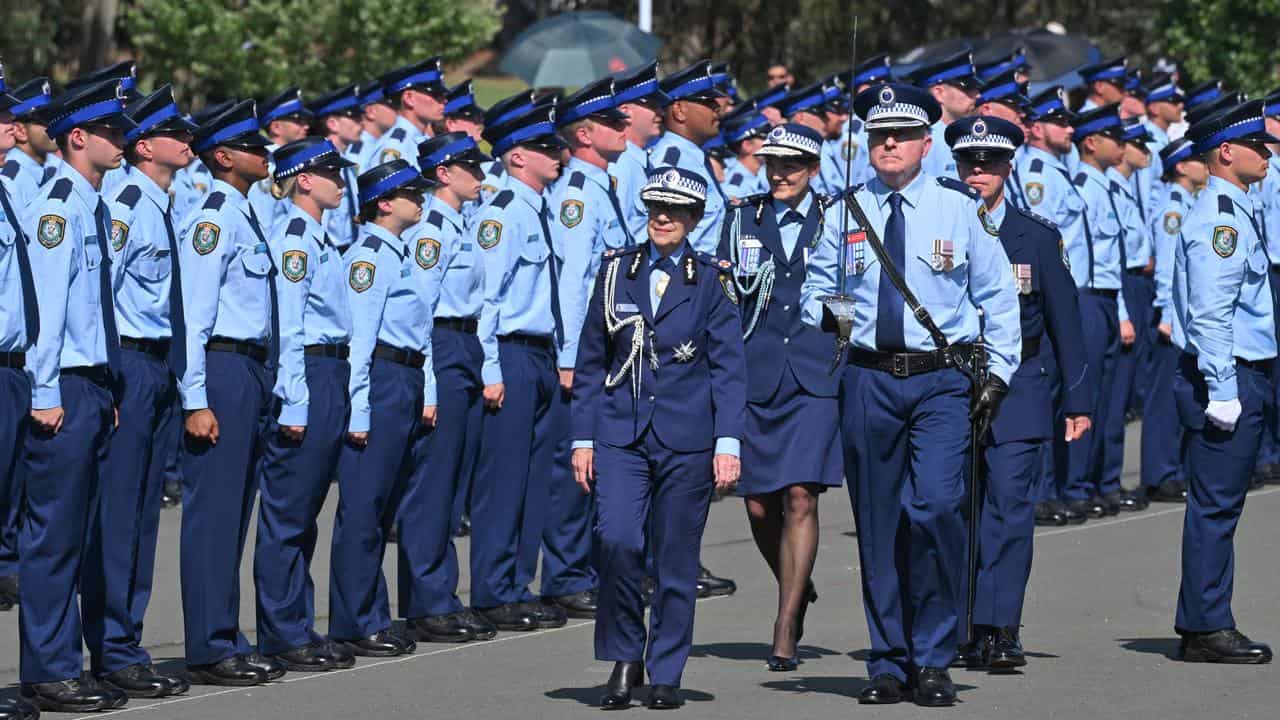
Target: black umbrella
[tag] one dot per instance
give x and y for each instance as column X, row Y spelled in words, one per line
column 1053, row 57
column 574, row 48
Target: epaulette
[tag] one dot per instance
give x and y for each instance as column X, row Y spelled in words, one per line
column 498, row 168
column 355, row 147
column 1080, row 179
column 1225, row 206
column 1175, row 196
column 435, row 218
column 577, row 180
column 1038, row 218
column 756, row 199
column 61, row 190
column 296, row 227
column 671, row 156
column 1037, row 165
column 214, row 201
column 10, row 169
column 397, row 134
column 953, row 184
column 129, row 196
column 620, row 252
column 735, row 179
column 502, row 199
column 719, row 264
column 373, row 242
column 855, row 124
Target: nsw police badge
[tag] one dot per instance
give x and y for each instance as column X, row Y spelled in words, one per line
column 294, row 267
column 1035, row 193
column 428, row 253
column 361, row 276
column 1224, row 240
column 51, row 230
column 489, row 234
column 388, row 155
column 119, row 234
column 205, row 237
column 1172, row 223
column 571, row 213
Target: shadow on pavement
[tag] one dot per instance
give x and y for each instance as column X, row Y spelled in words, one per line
column 591, row 695
column 1165, row 646
column 844, row 686
column 752, row 651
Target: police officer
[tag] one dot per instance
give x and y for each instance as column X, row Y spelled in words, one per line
column 766, row 103
column 1227, row 330
column 658, row 411
column 228, row 297
column 338, row 120
column 638, row 95
column 285, row 118
column 1003, row 96
column 791, row 447
column 1267, row 194
column 73, row 403
column 953, row 84
column 853, row 136
column 1015, row 62
column 391, row 317
column 692, row 118
column 417, row 93
column 118, row 573
column 1163, row 100
column 445, row 458
column 744, row 131
column 984, row 147
column 461, row 112
column 378, row 118
column 192, row 183
column 302, row 442
column 907, row 438
column 815, row 107
column 521, row 326
column 33, row 161
column 1104, row 83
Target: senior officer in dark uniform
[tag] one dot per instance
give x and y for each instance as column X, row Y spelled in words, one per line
column 904, row 405
column 984, row 147
column 658, row 407
column 791, row 446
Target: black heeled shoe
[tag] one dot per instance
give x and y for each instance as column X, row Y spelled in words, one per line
column 777, row 663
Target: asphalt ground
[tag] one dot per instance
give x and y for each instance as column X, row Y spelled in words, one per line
column 1098, row 631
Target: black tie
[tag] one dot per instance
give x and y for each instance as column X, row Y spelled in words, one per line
column 1111, row 198
column 711, row 178
column 30, row 310
column 553, row 266
column 890, row 333
column 617, row 210
column 112, row 336
column 177, row 318
column 1015, row 189
column 351, row 207
column 273, row 346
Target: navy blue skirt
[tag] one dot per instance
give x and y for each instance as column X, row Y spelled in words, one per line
column 792, row 439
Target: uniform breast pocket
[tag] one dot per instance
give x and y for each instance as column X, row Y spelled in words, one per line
column 535, row 251
column 256, row 264
column 152, row 268
column 1257, row 262
column 945, row 272
column 92, row 255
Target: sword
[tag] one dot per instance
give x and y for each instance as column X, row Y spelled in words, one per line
column 977, row 488
column 839, row 304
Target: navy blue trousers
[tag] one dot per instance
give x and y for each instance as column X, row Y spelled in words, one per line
column 62, row 477
column 1269, row 452
column 15, row 419
column 121, row 554
column 1162, row 434
column 294, row 480
column 645, row 485
column 442, row 458
column 371, row 483
column 219, row 484
column 1220, row 464
column 1005, row 536
column 1139, row 292
column 567, row 565
column 906, row 443
column 509, row 494
column 1086, row 458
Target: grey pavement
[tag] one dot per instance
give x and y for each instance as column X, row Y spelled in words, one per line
column 1098, row 630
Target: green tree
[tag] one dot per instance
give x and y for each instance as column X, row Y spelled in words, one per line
column 214, row 49
column 1229, row 39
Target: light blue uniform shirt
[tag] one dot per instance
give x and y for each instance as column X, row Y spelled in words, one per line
column 1271, row 208
column 939, row 220
column 1166, row 227
column 1048, row 191
column 142, row 259
column 114, row 178
column 1106, row 231
column 313, row 305
column 831, row 167
column 940, row 162
column 1137, row 237
column 13, row 320
column 461, row 293
column 66, row 263
column 389, row 306
column 739, row 182
column 790, row 222
column 226, row 286
column 338, row 222
column 1145, row 184
column 399, row 142
column 676, row 151
column 859, row 149
column 190, row 185
column 517, row 271
column 23, row 177
column 632, row 171
column 1221, row 289
column 364, row 155
column 269, row 209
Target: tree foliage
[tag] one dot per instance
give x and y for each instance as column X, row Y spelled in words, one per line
column 1230, row 39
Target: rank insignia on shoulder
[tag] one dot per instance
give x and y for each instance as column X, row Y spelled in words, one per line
column 571, row 213
column 726, row 283
column 427, row 253
column 205, row 237
column 488, row 189
column 294, row 265
column 489, row 234
column 361, row 275
column 119, row 235
column 51, row 230
column 684, row 352
column 388, row 155
column 1224, row 240
column 1172, row 222
column 1034, row 192
column 724, row 265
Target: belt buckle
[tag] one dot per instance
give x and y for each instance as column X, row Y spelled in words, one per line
column 900, row 369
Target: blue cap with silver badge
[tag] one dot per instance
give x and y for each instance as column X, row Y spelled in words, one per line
column 157, row 113
column 595, row 100
column 1017, row 61
column 743, row 123
column 236, row 126
column 1162, row 88
column 1243, row 123
column 640, row 86
column 1050, row 105
column 1176, row 152
column 896, row 105
column 695, row 82
column 126, row 71
column 460, row 100
column 1004, row 88
column 535, row 128
column 288, row 104
column 100, row 104
column 382, row 180
column 1103, row 120
column 810, row 98
column 983, row 134
column 674, row 186
column 371, row 93
column 448, row 148
column 876, row 67
column 1113, row 70
column 343, row 101
column 307, row 154
column 792, row 140
column 1136, row 132
column 954, row 69
column 427, row 76
column 508, row 108
column 32, row 95
column 1201, row 94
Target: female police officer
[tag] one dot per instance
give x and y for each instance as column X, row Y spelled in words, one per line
column 791, row 448
column 656, row 441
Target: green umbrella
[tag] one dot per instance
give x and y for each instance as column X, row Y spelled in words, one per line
column 574, row 48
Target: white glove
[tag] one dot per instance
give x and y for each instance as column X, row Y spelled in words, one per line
column 1223, row 413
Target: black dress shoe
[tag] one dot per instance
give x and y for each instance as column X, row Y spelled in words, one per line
column 1257, row 481
column 1006, row 650
column 464, row 527
column 577, row 605
column 1172, row 491
column 777, row 663
column 69, row 696
column 1130, row 501
column 481, row 629
column 1077, row 511
column 339, row 654
column 311, row 657
column 440, row 629
column 648, row 587
column 393, row 535
column 119, row 698
column 1224, row 646
column 178, row 685
column 1050, row 513
column 18, row 709
column 233, row 671
column 975, row 654
column 138, row 681
column 272, row 667
column 884, row 689
column 663, row 697
column 512, row 617
column 383, row 643
column 9, row 595
column 711, row 586
column 626, row 676
column 934, row 688
column 547, row 616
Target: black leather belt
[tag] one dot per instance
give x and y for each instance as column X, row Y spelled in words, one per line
column 466, row 325
column 96, row 374
column 907, row 364
column 411, row 358
column 1113, row 294
column 539, row 341
column 154, row 348
column 1030, row 347
column 240, row 347
column 13, row 359
column 342, row 352
column 1262, row 366
column 1136, row 271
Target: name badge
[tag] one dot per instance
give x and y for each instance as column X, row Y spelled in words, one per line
column 625, row 308
column 855, row 251
column 324, row 258
column 464, row 247
column 534, row 238
column 1022, row 276
column 943, row 258
column 162, row 253
column 749, row 255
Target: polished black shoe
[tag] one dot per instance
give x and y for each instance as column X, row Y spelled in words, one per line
column 440, row 629
column 69, row 696
column 1273, row 474
column 178, row 685
column 393, row 535
column 138, row 681
column 1077, row 511
column 1172, row 491
column 664, row 697
column 272, row 667
column 1006, row 650
column 1224, row 646
column 512, row 617
column 626, row 676
column 711, row 586
column 9, row 596
column 1132, row 500
column 171, row 495
column 383, row 643
column 975, row 654
column 884, row 689
column 119, row 698
column 934, row 688
column 339, row 654
column 1096, row 508
column 464, row 527
column 577, row 605
column 648, row 587
column 481, row 629
column 311, row 657
column 18, row 709
column 1257, row 481
column 1050, row 514
column 229, row 671
column 547, row 616
column 777, row 663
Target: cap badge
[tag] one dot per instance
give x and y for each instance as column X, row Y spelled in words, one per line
column 979, row 128
column 886, row 96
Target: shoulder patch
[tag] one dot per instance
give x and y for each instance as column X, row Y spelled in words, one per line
column 1225, row 206
column 61, row 190
column 10, row 169
column 129, row 196
column 435, row 218
column 671, row 156
column 489, row 234
column 1034, row 192
column 361, row 276
column 214, row 201
column 1172, row 222
column 571, row 212
column 1037, row 165
column 954, row 184
column 1080, row 179
column 427, row 254
column 119, row 235
column 726, row 284
column 296, row 227
column 987, row 223
column 502, row 199
column 51, row 230
column 294, row 267
column 577, row 180
column 387, row 155
column 1224, row 240
column 205, row 237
